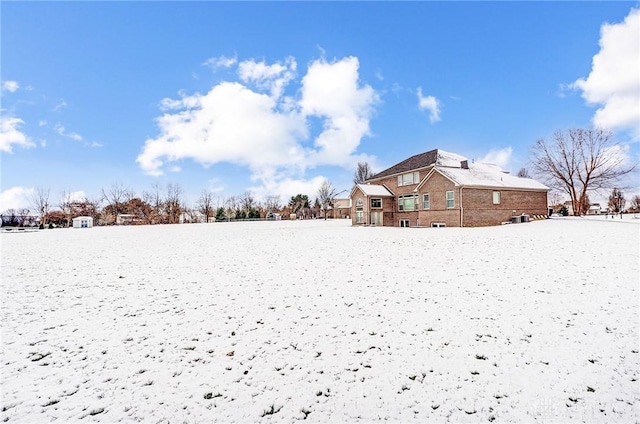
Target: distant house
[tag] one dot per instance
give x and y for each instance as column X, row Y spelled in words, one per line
column 82, row 222
column 273, row 216
column 341, row 208
column 594, row 209
column 439, row 188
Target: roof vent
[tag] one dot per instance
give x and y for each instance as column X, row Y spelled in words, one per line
column 464, row 164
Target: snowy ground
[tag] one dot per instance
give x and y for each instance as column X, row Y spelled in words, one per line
column 282, row 321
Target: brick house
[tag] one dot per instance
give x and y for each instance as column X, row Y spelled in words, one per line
column 341, row 209
column 439, row 188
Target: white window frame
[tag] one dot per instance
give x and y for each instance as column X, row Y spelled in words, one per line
column 359, row 202
column 496, row 197
column 452, row 199
column 402, row 222
column 426, row 201
column 359, row 216
column 379, row 199
column 409, row 178
column 401, row 203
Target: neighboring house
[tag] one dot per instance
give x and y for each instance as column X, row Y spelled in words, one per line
column 341, row 208
column 82, row 222
column 594, row 209
column 438, row 188
column 272, row 216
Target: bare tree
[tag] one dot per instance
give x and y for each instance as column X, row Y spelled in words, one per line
column 65, row 205
column 247, row 202
column 10, row 218
column 173, row 203
column 40, row 203
column 205, row 204
column 616, row 201
column 635, row 204
column 272, row 203
column 154, row 199
column 523, row 173
column 115, row 196
column 363, row 173
column 579, row 161
column 326, row 194
column 231, row 207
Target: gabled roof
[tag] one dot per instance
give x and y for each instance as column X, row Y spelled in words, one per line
column 488, row 175
column 422, row 160
column 373, row 190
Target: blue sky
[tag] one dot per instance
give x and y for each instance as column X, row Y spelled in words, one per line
column 273, row 97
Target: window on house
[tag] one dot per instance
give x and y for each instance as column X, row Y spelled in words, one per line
column 426, row 202
column 407, row 203
column 376, row 203
column 450, row 203
column 359, row 202
column 496, row 197
column 404, row 223
column 408, row 178
column 359, row 216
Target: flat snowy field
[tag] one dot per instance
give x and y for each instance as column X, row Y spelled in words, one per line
column 315, row 320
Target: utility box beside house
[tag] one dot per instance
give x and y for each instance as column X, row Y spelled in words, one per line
column 83, row 222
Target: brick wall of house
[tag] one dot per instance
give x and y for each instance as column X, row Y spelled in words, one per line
column 436, row 187
column 450, row 217
column 479, row 209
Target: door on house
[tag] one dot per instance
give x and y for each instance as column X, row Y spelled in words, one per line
column 376, row 218
column 404, row 223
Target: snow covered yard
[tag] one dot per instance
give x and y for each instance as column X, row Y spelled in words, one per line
column 285, row 321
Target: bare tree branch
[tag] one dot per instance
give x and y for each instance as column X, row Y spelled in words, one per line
column 579, row 161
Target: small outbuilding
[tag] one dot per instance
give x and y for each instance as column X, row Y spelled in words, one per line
column 83, row 222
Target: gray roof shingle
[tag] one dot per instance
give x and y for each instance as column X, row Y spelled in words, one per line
column 421, row 160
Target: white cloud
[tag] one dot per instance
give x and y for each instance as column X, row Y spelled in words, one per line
column 214, row 185
column 431, row 104
column 42, row 123
column 266, row 132
column 10, row 134
column 72, row 135
column 77, row 196
column 332, row 91
column 288, row 187
column 15, row 198
column 11, row 86
column 220, row 62
column 500, row 157
column 268, row 77
column 61, row 104
column 614, row 81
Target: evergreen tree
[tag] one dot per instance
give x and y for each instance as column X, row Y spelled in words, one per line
column 220, row 215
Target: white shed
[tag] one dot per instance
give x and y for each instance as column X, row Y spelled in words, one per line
column 83, row 222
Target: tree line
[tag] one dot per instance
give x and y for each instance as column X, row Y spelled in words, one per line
column 118, row 204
